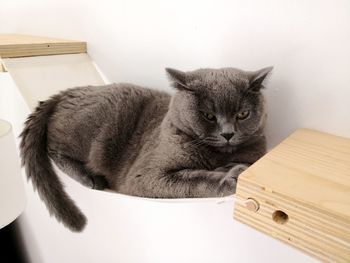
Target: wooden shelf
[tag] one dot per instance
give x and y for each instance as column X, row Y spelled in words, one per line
column 302, row 194
column 12, row 46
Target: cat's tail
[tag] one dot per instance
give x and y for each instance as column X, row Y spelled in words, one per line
column 39, row 169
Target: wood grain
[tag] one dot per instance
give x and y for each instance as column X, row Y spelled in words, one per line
column 23, row 46
column 307, row 177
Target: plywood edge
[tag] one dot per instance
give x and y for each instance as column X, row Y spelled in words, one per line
column 308, row 230
column 12, row 46
column 29, row 50
column 317, row 227
column 245, row 182
column 318, row 239
column 308, row 215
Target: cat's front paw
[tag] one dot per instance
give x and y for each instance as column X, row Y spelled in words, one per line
column 228, row 184
column 99, row 182
column 237, row 170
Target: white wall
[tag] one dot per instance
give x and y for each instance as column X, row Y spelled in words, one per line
column 308, row 42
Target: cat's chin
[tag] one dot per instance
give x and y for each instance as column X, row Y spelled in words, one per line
column 226, row 149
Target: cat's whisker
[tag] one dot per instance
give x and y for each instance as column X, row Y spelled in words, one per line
column 197, row 139
column 199, row 144
column 196, row 142
column 193, row 142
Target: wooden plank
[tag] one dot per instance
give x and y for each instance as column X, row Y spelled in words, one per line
column 307, row 179
column 12, row 45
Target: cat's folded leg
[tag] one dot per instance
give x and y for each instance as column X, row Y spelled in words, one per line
column 213, row 183
column 79, row 172
column 229, row 166
column 193, row 183
column 235, row 171
column 203, row 183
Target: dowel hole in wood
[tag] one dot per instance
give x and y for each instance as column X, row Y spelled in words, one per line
column 280, row 217
column 252, row 205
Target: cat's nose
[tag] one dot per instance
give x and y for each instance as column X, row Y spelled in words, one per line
column 227, row 135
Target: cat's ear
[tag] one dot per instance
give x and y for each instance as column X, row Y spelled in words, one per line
column 257, row 79
column 178, row 78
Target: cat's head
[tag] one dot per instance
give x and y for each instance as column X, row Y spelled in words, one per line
column 221, row 107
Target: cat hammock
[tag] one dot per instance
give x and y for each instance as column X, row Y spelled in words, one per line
column 298, row 193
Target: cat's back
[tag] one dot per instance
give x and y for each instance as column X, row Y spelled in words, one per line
column 108, row 96
column 83, row 112
column 104, row 102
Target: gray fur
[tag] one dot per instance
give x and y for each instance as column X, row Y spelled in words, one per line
column 143, row 142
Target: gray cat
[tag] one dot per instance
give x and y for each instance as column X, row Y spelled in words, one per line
column 143, row 142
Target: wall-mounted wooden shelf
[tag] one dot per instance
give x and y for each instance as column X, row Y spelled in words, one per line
column 301, row 194
column 41, row 66
column 12, row 46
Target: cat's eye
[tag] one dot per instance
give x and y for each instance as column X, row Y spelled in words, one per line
column 243, row 114
column 209, row 116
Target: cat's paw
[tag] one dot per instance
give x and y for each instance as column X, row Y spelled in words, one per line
column 99, row 182
column 226, row 168
column 235, row 171
column 223, row 169
column 228, row 184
